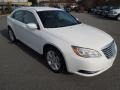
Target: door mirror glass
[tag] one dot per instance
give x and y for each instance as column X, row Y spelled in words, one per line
column 32, row 26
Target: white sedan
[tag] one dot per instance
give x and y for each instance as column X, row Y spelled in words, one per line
column 66, row 43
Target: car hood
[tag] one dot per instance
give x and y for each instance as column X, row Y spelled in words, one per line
column 82, row 35
column 116, row 10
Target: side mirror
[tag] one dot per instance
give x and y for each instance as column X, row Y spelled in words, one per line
column 77, row 19
column 32, row 26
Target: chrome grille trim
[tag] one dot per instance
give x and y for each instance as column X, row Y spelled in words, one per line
column 109, row 51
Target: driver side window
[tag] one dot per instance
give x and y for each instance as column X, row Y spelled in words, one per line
column 64, row 17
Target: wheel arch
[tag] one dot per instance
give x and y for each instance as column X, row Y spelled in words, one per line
column 54, row 46
column 117, row 15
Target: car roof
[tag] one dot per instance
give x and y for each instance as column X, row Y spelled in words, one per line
column 39, row 8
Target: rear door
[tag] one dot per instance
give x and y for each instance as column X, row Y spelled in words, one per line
column 18, row 25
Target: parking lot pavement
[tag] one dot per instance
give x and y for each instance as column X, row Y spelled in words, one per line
column 3, row 22
column 21, row 68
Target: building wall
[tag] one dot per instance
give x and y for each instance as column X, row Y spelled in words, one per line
column 21, row 0
column 13, row 0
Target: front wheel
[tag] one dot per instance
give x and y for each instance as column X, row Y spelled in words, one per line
column 55, row 60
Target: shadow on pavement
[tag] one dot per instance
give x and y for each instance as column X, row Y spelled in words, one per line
column 26, row 49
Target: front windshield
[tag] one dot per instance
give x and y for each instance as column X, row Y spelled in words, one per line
column 56, row 19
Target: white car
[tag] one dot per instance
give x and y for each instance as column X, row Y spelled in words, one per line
column 115, row 13
column 65, row 42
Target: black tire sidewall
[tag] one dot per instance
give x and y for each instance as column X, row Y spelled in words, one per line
column 62, row 64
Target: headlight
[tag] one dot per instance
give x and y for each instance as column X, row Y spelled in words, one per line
column 85, row 52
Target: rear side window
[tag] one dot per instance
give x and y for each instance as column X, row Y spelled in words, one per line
column 18, row 15
column 29, row 18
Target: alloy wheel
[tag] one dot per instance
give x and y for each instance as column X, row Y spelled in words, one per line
column 53, row 60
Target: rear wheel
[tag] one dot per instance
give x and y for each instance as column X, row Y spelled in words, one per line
column 55, row 60
column 11, row 35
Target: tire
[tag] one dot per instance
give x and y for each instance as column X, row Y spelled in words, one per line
column 55, row 60
column 118, row 17
column 11, row 35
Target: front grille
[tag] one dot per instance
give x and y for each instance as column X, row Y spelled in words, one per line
column 109, row 51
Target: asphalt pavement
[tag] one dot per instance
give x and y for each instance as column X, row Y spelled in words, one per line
column 21, row 68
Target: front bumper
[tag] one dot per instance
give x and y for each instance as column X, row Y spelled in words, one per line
column 105, row 13
column 89, row 66
column 96, row 72
column 112, row 15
